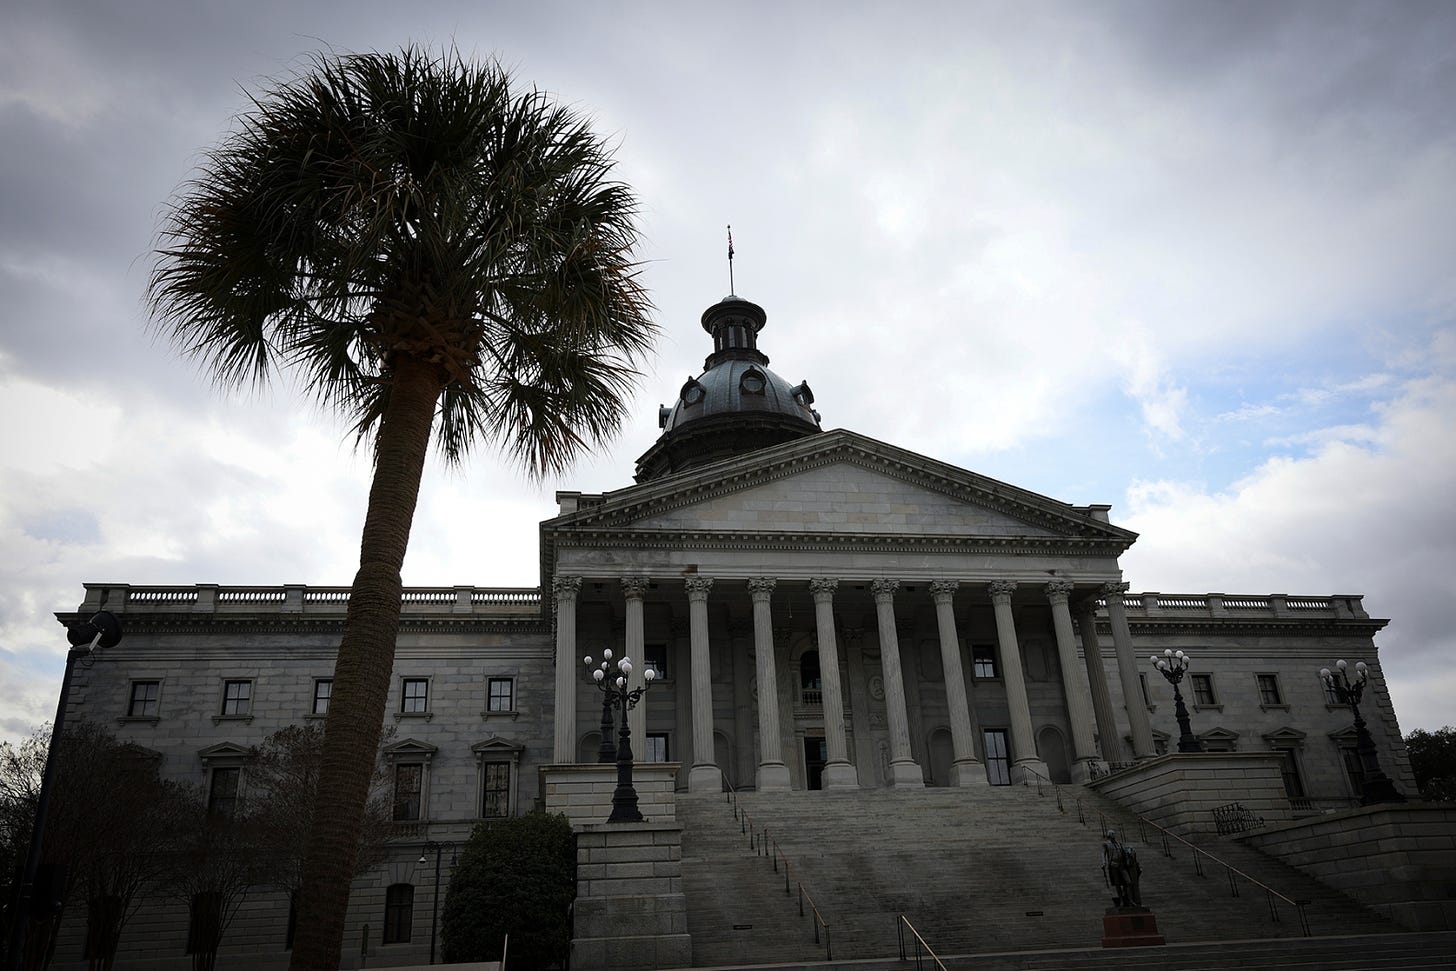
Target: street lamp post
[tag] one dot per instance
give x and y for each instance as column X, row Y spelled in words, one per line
column 616, row 694
column 1378, row 786
column 102, row 630
column 1172, row 666
column 438, row 848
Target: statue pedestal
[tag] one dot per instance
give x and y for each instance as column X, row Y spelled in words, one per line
column 1130, row 927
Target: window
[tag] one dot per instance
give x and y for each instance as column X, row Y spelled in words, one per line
column 1203, row 690
column 1331, row 698
column 222, row 791
column 998, row 763
column 495, row 796
column 399, row 913
column 409, row 790
column 1354, row 769
column 500, row 694
column 983, row 660
column 146, row 697
column 656, row 747
column 1289, row 769
column 655, row 657
column 237, row 698
column 415, row 697
column 1269, row 689
column 811, row 685
column 323, row 692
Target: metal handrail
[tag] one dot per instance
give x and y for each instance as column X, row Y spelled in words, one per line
column 762, row 844
column 1143, row 822
column 901, row 923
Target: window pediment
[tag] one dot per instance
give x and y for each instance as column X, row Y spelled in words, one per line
column 410, row 750
column 223, row 753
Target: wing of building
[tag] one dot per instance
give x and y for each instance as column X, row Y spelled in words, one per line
column 821, row 609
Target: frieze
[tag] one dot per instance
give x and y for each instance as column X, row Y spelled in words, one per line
column 851, row 542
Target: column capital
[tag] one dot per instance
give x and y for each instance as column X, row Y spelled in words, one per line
column 762, row 588
column 565, row 588
column 1001, row 589
column 635, row 587
column 941, row 591
column 884, row 589
column 1113, row 591
column 1058, row 591
column 823, row 588
column 698, row 587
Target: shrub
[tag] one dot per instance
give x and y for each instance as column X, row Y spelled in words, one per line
column 517, row 877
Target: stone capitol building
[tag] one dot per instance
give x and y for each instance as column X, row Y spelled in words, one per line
column 822, row 610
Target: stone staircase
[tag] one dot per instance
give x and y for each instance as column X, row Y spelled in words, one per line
column 977, row 871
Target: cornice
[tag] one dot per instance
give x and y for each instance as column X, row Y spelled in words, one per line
column 1298, row 626
column 618, row 537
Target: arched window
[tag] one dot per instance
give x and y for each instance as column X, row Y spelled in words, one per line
column 399, row 913
column 811, row 689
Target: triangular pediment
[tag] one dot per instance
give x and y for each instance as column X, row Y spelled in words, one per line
column 834, row 485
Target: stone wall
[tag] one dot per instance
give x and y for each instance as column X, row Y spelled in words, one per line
column 630, row 911
column 1180, row 792
column 583, row 793
column 1399, row 860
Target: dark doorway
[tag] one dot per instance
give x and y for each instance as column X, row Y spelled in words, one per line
column 816, row 753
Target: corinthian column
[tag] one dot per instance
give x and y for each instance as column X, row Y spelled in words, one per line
column 1074, row 681
column 966, row 770
column 1111, row 745
column 565, row 590
column 1132, row 692
column 704, row 776
column 839, row 772
column 904, row 771
column 773, row 774
column 634, row 588
column 1023, row 741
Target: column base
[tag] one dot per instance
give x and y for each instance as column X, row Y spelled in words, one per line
column 906, row 774
column 1021, row 771
column 773, row 777
column 840, row 775
column 705, row 778
column 1084, row 770
column 968, row 773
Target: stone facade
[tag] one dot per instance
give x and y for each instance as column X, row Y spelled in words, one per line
column 823, row 609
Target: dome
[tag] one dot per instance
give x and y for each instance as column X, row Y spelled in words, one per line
column 736, row 405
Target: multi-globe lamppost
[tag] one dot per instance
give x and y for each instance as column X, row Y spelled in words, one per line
column 1378, row 786
column 616, row 694
column 1172, row 666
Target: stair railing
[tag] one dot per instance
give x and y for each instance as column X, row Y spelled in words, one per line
column 762, row 844
column 1165, row 838
column 902, row 924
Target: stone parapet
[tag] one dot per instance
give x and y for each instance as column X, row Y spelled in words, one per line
column 583, row 792
column 1180, row 792
column 630, row 911
column 1399, row 860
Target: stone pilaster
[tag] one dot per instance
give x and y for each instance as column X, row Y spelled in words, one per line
column 904, row 771
column 1074, row 681
column 1127, row 672
column 634, row 588
column 1110, row 747
column 565, row 591
column 773, row 774
column 1023, row 739
column 839, row 772
column 705, row 775
column 966, row 770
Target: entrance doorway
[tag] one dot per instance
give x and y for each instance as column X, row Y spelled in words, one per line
column 816, row 753
column 998, row 762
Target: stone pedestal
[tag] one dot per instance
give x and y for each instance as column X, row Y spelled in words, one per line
column 1130, row 927
column 630, row 912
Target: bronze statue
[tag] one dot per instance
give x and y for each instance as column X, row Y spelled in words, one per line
column 1121, row 870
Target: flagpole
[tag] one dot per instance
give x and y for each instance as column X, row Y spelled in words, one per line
column 730, row 259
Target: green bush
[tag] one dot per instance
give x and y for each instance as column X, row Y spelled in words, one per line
column 517, row 877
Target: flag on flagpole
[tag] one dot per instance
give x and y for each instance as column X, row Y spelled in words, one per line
column 730, row 242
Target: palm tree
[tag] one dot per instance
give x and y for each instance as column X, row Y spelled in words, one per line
column 425, row 248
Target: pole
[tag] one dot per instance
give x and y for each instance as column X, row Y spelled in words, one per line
column 435, row 903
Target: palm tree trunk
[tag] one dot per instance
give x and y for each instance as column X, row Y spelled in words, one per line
column 364, row 667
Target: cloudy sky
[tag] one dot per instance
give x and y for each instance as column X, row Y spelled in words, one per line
column 1191, row 259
